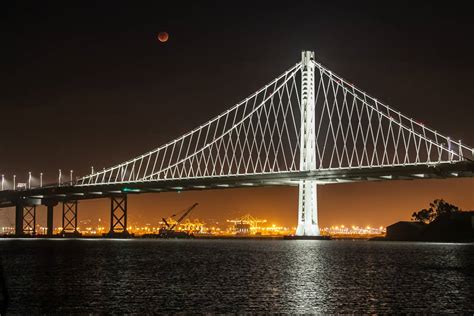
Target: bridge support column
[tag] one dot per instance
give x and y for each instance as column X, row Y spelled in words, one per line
column 118, row 217
column 49, row 216
column 25, row 220
column 307, row 204
column 49, row 220
column 18, row 219
column 307, row 209
column 70, row 219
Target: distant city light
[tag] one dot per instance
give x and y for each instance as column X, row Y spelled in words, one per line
column 341, row 230
column 246, row 225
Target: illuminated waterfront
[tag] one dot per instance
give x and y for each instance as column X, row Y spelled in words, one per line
column 246, row 225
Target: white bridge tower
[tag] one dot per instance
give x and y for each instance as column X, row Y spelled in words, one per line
column 307, row 198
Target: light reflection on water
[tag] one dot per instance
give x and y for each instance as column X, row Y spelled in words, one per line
column 137, row 276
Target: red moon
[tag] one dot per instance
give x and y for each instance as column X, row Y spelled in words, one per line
column 163, row 37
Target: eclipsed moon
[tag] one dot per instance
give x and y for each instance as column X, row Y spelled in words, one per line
column 163, row 37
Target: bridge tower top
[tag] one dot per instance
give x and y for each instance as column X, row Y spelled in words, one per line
column 308, row 109
column 307, row 57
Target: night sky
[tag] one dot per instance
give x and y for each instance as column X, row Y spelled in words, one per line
column 86, row 86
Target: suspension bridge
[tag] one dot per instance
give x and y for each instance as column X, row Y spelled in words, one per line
column 305, row 128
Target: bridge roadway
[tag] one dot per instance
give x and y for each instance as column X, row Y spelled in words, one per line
column 39, row 196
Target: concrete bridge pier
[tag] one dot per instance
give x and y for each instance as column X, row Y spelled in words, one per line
column 49, row 217
column 18, row 219
column 118, row 217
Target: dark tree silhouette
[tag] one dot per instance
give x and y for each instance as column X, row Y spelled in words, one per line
column 438, row 207
column 442, row 207
column 424, row 216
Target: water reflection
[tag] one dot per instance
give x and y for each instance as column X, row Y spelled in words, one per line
column 153, row 276
column 308, row 288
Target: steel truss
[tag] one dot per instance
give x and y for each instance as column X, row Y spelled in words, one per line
column 118, row 215
column 69, row 217
column 29, row 220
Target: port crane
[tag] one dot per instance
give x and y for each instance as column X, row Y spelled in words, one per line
column 169, row 232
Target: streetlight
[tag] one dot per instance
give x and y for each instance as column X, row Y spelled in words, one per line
column 41, row 179
column 92, row 169
column 14, row 182
column 3, row 180
column 29, row 180
column 59, row 178
column 70, row 175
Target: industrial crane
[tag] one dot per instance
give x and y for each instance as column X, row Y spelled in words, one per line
column 169, row 232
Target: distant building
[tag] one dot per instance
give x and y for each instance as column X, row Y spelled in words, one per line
column 451, row 227
column 454, row 227
column 405, row 231
column 188, row 225
column 242, row 228
column 247, row 225
column 192, row 226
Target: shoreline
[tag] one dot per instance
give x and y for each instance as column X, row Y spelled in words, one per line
column 251, row 237
column 283, row 238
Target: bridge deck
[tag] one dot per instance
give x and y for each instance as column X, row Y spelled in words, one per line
column 38, row 196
